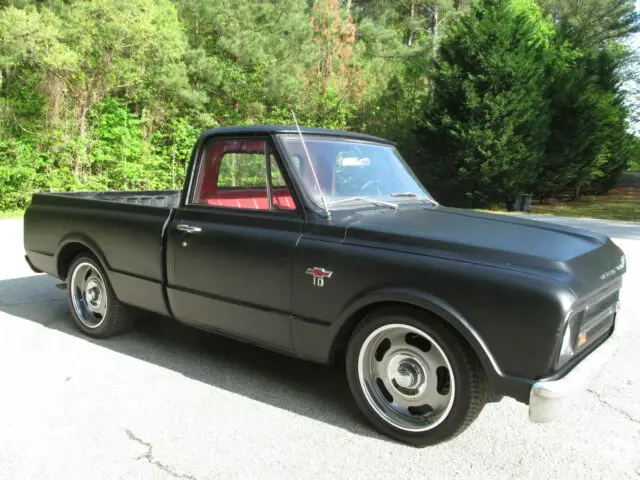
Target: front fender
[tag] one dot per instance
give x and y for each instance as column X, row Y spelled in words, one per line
column 317, row 341
column 422, row 300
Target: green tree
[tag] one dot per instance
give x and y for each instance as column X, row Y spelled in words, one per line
column 588, row 142
column 127, row 46
column 334, row 80
column 99, row 94
column 486, row 121
column 397, row 42
column 250, row 59
column 592, row 23
column 634, row 153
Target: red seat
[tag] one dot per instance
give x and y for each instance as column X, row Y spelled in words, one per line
column 251, row 199
column 282, row 198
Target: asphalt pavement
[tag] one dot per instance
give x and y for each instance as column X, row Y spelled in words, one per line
column 166, row 401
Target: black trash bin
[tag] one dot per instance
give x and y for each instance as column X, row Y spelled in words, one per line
column 517, row 204
column 522, row 203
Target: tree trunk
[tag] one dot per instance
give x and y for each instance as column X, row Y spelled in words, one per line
column 435, row 22
column 411, row 16
column 124, row 160
column 2, row 116
column 6, row 86
column 435, row 29
column 77, row 169
column 83, row 120
column 173, row 168
column 234, row 171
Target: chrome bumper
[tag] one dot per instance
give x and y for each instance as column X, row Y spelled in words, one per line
column 549, row 399
column 31, row 265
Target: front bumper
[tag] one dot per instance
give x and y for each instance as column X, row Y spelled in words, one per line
column 31, row 265
column 549, row 399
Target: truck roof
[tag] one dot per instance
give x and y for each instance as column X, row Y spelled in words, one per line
column 273, row 129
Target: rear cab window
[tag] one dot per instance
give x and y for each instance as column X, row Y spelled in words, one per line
column 234, row 173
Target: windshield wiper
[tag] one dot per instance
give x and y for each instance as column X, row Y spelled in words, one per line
column 404, row 194
column 366, row 199
column 412, row 195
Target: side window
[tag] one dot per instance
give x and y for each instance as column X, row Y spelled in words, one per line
column 233, row 174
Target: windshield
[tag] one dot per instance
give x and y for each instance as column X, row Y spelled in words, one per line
column 351, row 170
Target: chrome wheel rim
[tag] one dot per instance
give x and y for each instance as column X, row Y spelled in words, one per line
column 88, row 295
column 406, row 377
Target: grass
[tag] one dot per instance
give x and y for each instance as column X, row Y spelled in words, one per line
column 621, row 204
column 11, row 214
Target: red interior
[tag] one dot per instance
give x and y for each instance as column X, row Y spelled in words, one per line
column 255, row 199
column 252, row 199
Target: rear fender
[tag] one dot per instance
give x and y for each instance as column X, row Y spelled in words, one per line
column 85, row 241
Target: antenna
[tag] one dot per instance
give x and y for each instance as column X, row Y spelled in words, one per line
column 313, row 170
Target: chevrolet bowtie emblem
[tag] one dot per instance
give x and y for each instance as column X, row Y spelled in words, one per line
column 318, row 274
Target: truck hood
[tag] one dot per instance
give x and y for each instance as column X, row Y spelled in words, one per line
column 584, row 259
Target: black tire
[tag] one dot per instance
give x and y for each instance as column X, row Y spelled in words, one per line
column 467, row 398
column 117, row 318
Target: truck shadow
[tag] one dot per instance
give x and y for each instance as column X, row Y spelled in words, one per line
column 315, row 391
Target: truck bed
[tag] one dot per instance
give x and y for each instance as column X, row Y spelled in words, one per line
column 128, row 226
column 153, row 198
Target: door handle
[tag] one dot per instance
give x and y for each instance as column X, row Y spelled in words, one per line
column 183, row 227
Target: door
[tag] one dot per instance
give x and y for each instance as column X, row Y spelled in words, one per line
column 230, row 248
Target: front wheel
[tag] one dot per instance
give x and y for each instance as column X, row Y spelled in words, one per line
column 413, row 378
column 94, row 306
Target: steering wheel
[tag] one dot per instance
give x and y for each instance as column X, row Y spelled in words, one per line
column 369, row 183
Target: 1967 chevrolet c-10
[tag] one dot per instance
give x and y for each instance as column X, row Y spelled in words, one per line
column 323, row 245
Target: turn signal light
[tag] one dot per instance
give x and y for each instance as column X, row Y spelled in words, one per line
column 582, row 340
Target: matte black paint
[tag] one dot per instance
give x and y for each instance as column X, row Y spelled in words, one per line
column 505, row 284
column 239, row 261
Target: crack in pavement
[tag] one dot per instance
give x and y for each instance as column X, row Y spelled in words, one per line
column 148, row 456
column 613, row 407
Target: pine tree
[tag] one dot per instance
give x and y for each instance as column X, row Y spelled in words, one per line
column 486, row 121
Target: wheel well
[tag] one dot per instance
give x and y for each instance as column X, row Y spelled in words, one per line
column 339, row 347
column 68, row 253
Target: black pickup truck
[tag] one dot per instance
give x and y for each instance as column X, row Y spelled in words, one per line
column 323, row 245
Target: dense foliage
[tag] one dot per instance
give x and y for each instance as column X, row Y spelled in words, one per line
column 486, row 99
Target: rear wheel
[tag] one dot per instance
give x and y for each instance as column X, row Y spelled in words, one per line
column 94, row 306
column 413, row 378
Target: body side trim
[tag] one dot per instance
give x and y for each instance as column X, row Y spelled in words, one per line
column 228, row 300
